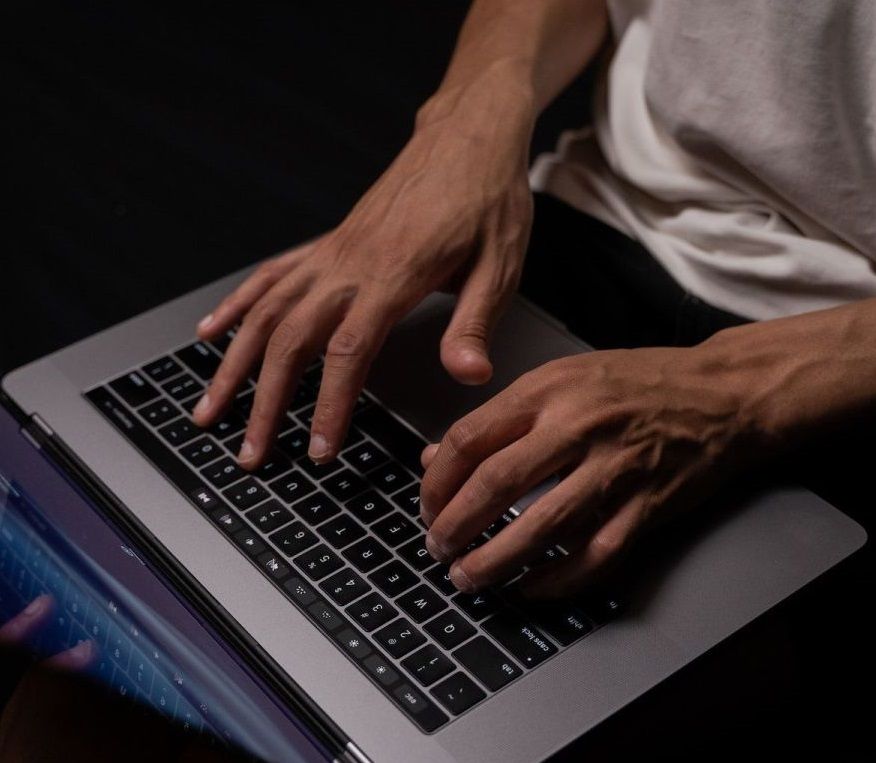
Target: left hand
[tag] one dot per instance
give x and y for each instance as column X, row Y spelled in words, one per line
column 634, row 435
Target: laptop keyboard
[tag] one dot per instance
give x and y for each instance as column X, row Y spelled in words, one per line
column 344, row 541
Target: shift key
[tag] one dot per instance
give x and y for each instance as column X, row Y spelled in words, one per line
column 525, row 642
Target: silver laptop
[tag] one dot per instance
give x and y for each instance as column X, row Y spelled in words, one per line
column 320, row 573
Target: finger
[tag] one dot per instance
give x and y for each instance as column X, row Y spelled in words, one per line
column 471, row 440
column 27, row 622
column 231, row 310
column 428, row 454
column 558, row 516
column 348, row 357
column 492, row 489
column 76, row 658
column 465, row 344
column 293, row 344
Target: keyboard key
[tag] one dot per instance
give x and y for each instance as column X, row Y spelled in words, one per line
column 394, row 529
column 300, row 590
column 230, row 424
column 341, row 531
column 476, row 605
column 182, row 387
column 204, row 498
column 427, row 665
column 344, row 484
column 393, row 578
column 250, row 542
column 525, row 642
column 368, row 507
column 367, row 554
column 319, row 471
column 449, row 629
column 134, row 389
column 275, row 465
column 381, row 669
column 189, row 405
column 408, row 500
column 269, row 516
column 316, row 509
column 439, row 576
column 245, row 494
column 497, row 526
column 223, row 472
column 422, row 603
column 371, row 612
column 345, row 586
column 390, row 477
column 327, row 618
column 353, row 643
column 304, row 395
column 420, row 709
column 364, row 457
column 293, row 539
column 162, row 369
column 274, row 566
column 179, row 432
column 492, row 667
column 399, row 638
column 458, row 693
column 292, row 487
column 601, row 608
column 202, row 451
column 243, row 403
column 223, row 342
column 226, row 519
column 159, row 412
column 293, row 444
column 415, row 554
column 318, row 562
column 563, row 621
column 200, row 359
column 393, row 436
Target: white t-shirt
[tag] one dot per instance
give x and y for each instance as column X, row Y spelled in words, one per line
column 736, row 139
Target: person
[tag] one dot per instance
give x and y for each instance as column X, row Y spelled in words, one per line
column 733, row 146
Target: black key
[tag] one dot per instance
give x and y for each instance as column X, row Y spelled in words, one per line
column 368, row 506
column 305, row 416
column 272, row 564
column 408, row 500
column 200, row 359
column 269, row 516
column 179, row 432
column 498, row 525
column 393, row 578
column 189, row 405
column 365, row 457
column 458, row 693
column 134, row 389
column 415, row 554
column 318, row 562
column 325, row 616
column 353, row 643
column 439, row 577
column 319, row 471
column 393, row 436
column 450, row 629
column 390, row 477
column 243, row 403
column 202, row 451
column 250, row 542
column 427, row 665
column 304, row 395
column 564, row 622
column 232, row 444
column 182, row 387
column 313, row 374
column 600, row 608
column 367, row 554
column 292, row 487
column 275, row 465
column 230, row 424
column 525, row 642
column 300, row 590
column 316, row 509
column 477, row 605
column 420, row 709
column 345, row 586
column 204, row 498
column 226, row 519
column 381, row 669
column 490, row 665
column 293, row 539
column 162, row 369
column 422, row 603
column 371, row 612
column 293, row 444
column 159, row 412
column 395, row 529
column 223, row 472
column 341, row 531
column 245, row 494
column 344, row 484
column 399, row 638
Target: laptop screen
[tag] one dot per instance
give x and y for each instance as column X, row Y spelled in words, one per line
column 150, row 647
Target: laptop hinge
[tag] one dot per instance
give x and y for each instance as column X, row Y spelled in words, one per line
column 355, row 755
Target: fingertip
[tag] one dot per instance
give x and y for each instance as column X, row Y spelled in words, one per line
column 428, row 454
column 468, row 366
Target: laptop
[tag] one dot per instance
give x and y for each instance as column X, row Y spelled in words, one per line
column 319, row 574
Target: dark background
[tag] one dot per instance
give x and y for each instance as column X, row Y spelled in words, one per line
column 148, row 150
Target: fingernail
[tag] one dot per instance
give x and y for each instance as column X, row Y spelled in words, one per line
column 460, row 579
column 35, row 606
column 436, row 551
column 427, row 516
column 203, row 406
column 246, row 451
column 318, row 447
column 205, row 321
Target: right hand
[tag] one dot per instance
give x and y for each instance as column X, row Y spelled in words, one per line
column 452, row 211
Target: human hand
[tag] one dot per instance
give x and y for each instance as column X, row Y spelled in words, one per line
column 634, row 435
column 453, row 210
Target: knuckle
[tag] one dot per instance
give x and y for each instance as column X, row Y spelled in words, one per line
column 347, row 343
column 605, row 545
column 487, row 480
column 261, row 315
column 461, row 437
column 285, row 345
